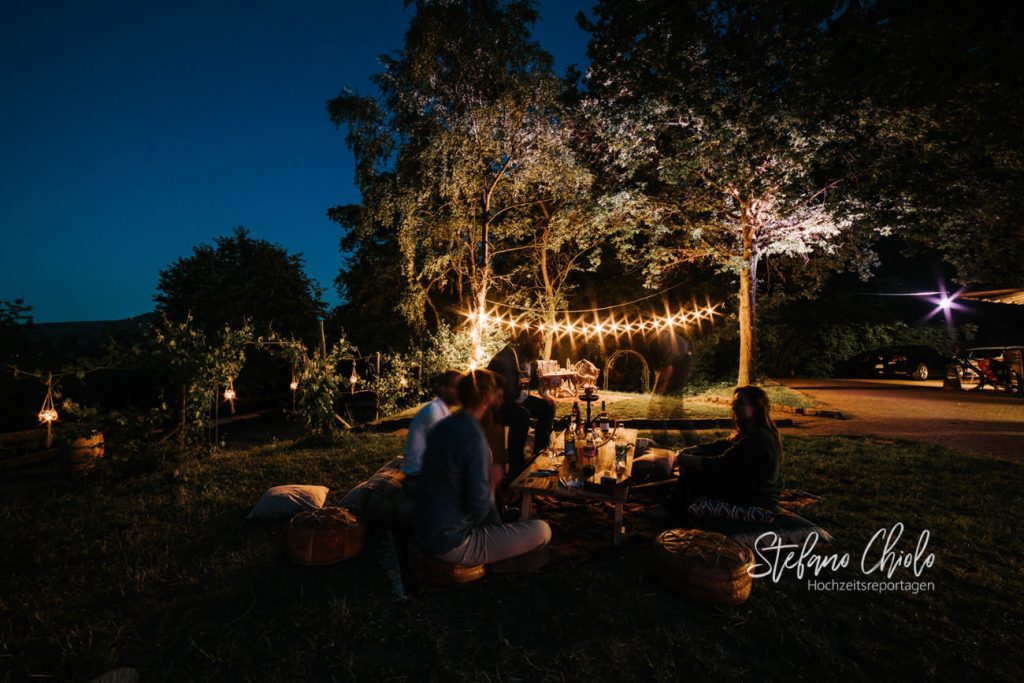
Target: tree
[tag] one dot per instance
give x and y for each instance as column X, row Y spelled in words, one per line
column 934, row 126
column 706, row 109
column 464, row 155
column 238, row 280
column 15, row 330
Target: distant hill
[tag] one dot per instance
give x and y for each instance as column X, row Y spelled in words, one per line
column 91, row 334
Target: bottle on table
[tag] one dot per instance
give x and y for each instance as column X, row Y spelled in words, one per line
column 604, row 421
column 570, row 443
column 589, row 455
column 576, row 418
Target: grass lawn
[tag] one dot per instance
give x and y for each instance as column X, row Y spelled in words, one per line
column 624, row 405
column 162, row 573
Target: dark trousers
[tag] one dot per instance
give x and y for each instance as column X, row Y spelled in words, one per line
column 693, row 484
column 516, row 416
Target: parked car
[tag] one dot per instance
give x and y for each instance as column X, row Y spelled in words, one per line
column 918, row 362
column 999, row 367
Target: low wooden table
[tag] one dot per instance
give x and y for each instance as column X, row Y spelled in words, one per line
column 530, row 485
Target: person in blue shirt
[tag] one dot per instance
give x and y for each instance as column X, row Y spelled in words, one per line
column 456, row 518
column 425, row 419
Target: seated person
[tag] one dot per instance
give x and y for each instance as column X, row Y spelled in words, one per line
column 456, row 518
column 744, row 469
column 428, row 416
column 518, row 406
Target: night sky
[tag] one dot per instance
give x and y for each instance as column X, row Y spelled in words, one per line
column 132, row 131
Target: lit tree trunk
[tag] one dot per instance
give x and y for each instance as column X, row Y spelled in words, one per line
column 748, row 292
column 549, row 288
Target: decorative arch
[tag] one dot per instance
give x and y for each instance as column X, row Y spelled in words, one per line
column 645, row 374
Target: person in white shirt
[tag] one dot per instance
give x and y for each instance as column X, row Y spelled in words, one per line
column 428, row 416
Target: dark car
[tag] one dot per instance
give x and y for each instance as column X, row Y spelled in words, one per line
column 918, row 362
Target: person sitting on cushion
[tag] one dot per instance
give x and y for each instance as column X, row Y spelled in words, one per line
column 518, row 406
column 456, row 518
column 428, row 416
column 744, row 469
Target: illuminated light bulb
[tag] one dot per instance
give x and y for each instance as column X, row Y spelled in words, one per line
column 48, row 415
column 945, row 303
column 294, row 385
column 353, row 378
column 403, row 382
column 229, row 394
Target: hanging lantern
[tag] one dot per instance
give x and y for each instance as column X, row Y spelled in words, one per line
column 48, row 413
column 230, row 395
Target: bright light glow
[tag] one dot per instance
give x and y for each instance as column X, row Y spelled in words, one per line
column 403, row 382
column 294, row 385
column 229, row 394
column 589, row 328
column 945, row 303
column 47, row 415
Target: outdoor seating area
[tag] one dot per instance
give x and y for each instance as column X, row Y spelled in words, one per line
column 707, row 560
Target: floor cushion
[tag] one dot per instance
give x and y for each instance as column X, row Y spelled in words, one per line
column 654, row 465
column 285, row 501
column 791, row 528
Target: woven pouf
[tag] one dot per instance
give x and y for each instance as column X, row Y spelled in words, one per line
column 439, row 573
column 324, row 536
column 704, row 566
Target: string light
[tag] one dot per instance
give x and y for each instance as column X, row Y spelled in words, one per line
column 595, row 326
column 294, row 385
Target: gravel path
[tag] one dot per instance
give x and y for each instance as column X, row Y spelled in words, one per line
column 987, row 423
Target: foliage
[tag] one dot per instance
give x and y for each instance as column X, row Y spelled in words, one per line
column 928, row 97
column 828, row 347
column 240, row 280
column 709, row 115
column 15, row 330
column 468, row 165
column 320, row 381
column 193, row 368
column 445, row 349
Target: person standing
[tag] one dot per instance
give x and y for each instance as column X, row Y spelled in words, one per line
column 515, row 366
column 456, row 517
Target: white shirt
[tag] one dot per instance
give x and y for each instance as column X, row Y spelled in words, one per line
column 416, row 443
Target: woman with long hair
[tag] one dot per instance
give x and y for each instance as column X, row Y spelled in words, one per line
column 744, row 469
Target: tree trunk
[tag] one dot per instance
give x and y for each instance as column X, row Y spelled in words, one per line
column 748, row 293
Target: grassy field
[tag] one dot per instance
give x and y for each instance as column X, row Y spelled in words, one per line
column 624, row 405
column 153, row 566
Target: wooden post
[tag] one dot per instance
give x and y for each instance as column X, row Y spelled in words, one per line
column 323, row 340
column 378, row 365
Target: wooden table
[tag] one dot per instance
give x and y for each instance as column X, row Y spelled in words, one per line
column 555, row 381
column 530, row 485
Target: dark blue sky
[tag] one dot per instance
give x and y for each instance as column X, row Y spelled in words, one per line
column 131, row 131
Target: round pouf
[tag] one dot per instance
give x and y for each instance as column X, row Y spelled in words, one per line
column 439, row 573
column 324, row 536
column 704, row 566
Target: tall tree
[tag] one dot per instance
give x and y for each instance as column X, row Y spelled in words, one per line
column 706, row 111
column 239, row 278
column 467, row 146
column 934, row 123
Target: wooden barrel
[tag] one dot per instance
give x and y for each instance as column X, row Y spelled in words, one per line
column 704, row 566
column 83, row 452
column 324, row 536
